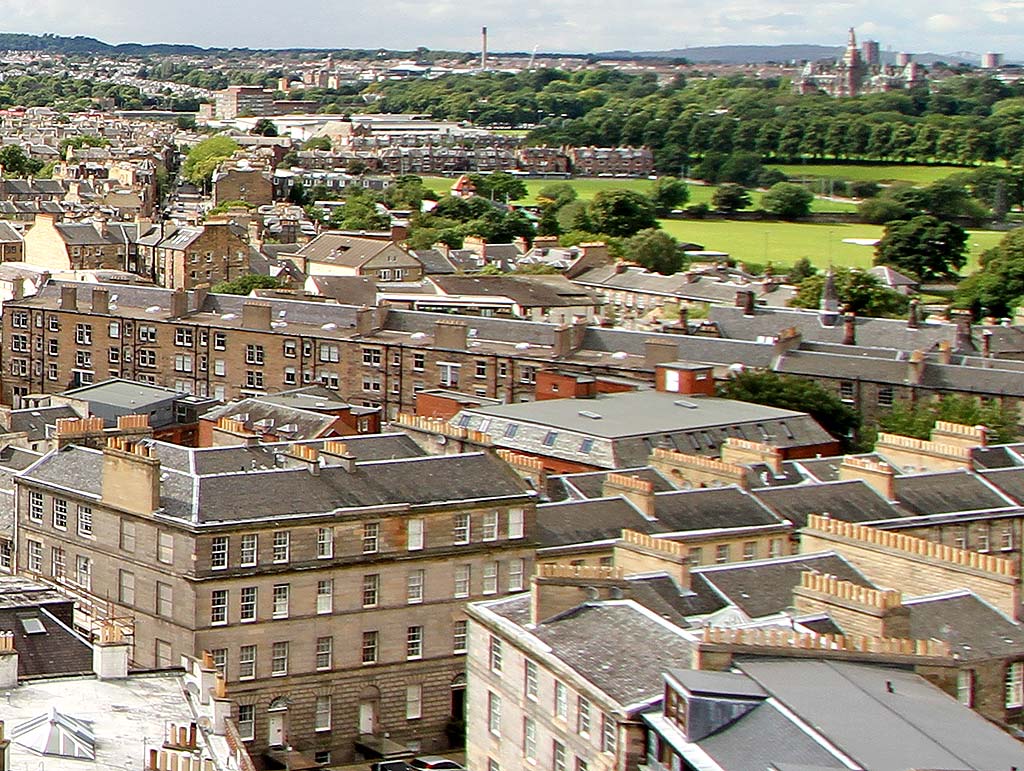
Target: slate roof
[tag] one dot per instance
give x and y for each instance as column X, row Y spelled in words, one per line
column 661, row 594
column 616, row 646
column 349, row 290
column 527, row 291
column 58, row 649
column 34, row 421
column 434, row 262
column 227, row 484
column 947, row 491
column 590, row 485
column 599, row 519
column 346, row 250
column 263, row 417
column 700, row 288
column 710, row 509
column 1009, row 480
column 915, row 726
column 765, row 587
column 973, row 628
column 850, row 501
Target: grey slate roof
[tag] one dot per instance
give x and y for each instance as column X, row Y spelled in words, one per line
column 34, row 421
column 973, row 628
column 599, row 519
column 710, row 509
column 765, row 587
column 620, row 649
column 947, row 491
column 265, row 417
column 527, row 291
column 850, row 501
column 915, row 726
column 590, row 485
column 235, row 489
column 434, row 263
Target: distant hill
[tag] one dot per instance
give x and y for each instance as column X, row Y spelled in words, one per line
column 759, row 54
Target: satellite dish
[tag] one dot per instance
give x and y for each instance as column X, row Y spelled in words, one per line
column 442, row 439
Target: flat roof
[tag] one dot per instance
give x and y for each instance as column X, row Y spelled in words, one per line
column 635, row 413
column 124, row 393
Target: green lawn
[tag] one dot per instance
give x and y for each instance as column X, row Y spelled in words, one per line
column 918, row 175
column 587, row 188
column 785, row 242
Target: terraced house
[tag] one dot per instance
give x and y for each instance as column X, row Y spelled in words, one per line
column 327, row 580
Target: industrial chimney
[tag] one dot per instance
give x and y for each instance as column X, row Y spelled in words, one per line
column 483, row 48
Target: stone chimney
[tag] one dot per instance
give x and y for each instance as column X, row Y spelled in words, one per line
column 8, row 662
column 963, row 318
column 69, row 297
column 856, row 609
column 229, row 432
column 659, row 352
column 915, row 367
column 256, row 315
column 986, row 343
column 880, row 475
column 558, row 588
column 960, row 435
column 787, row 340
column 179, row 303
column 743, row 452
column 199, row 293
column 639, row 553
column 745, row 300
column 100, row 300
column 913, row 317
column 849, row 328
column 110, row 654
column 637, row 491
column 310, row 455
column 131, row 477
column 945, row 352
column 337, row 454
column 450, row 335
column 366, row 321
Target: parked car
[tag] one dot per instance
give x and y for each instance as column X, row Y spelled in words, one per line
column 390, row 765
column 435, row 763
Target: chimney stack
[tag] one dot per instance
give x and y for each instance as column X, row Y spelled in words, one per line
column 256, row 315
column 745, row 300
column 5, row 750
column 110, row 654
column 913, row 321
column 100, row 300
column 849, row 328
column 963, row 320
column 69, row 297
column 338, row 452
column 179, row 303
column 986, row 343
column 450, row 335
column 130, row 476
column 483, row 48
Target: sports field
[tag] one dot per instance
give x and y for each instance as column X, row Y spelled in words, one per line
column 785, row 242
column 916, row 175
column 587, row 188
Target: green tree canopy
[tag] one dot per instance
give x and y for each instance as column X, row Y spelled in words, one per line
column 924, row 246
column 861, row 292
column 785, row 392
column 730, row 197
column 245, row 284
column 656, row 250
column 786, row 200
column 669, row 193
column 205, row 157
column 265, row 127
column 621, row 212
column 998, row 286
column 499, row 186
column 918, row 419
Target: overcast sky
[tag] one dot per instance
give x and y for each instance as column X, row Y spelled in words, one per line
column 941, row 26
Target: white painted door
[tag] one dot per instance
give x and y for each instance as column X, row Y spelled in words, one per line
column 367, row 717
column 275, row 729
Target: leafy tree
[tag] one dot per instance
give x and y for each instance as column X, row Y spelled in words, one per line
column 669, row 193
column 556, row 194
column 861, row 292
column 999, row 284
column 185, row 122
column 923, row 246
column 785, row 392
column 573, row 216
column 801, row 269
column 226, row 206
column 743, row 168
column 656, row 250
column 356, row 167
column 16, row 164
column 317, row 143
column 918, row 419
column 245, row 284
column 265, row 127
column 864, row 188
column 730, row 197
column 621, row 212
column 499, row 186
column 205, row 157
column 787, row 200
column 298, row 195
column 878, row 211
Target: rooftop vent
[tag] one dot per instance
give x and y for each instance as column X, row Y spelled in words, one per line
column 684, row 403
column 589, row 414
